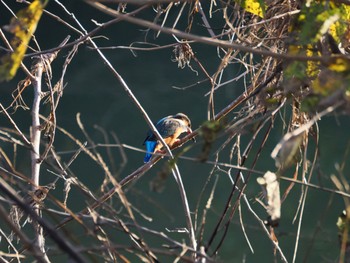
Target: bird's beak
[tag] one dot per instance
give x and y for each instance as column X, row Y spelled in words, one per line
column 189, row 130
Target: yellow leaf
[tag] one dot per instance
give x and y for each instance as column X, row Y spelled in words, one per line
column 22, row 27
column 339, row 65
column 312, row 68
column 256, row 7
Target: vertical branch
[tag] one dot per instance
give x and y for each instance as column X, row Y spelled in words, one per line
column 41, row 65
column 38, row 69
column 35, row 129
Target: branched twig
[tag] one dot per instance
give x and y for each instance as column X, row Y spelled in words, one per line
column 224, row 44
column 41, row 65
column 50, row 230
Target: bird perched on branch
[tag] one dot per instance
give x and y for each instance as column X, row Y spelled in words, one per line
column 170, row 128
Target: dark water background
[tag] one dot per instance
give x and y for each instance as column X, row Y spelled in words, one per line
column 93, row 92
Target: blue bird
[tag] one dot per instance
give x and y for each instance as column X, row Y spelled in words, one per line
column 170, row 128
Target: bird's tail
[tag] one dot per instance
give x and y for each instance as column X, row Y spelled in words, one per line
column 150, row 146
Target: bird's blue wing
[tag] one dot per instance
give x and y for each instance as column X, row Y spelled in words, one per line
column 167, row 127
column 150, row 135
column 150, row 146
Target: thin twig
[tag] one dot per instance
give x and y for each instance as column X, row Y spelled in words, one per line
column 24, row 138
column 50, row 230
column 222, row 43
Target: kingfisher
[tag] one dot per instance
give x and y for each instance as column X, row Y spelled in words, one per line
column 170, row 128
